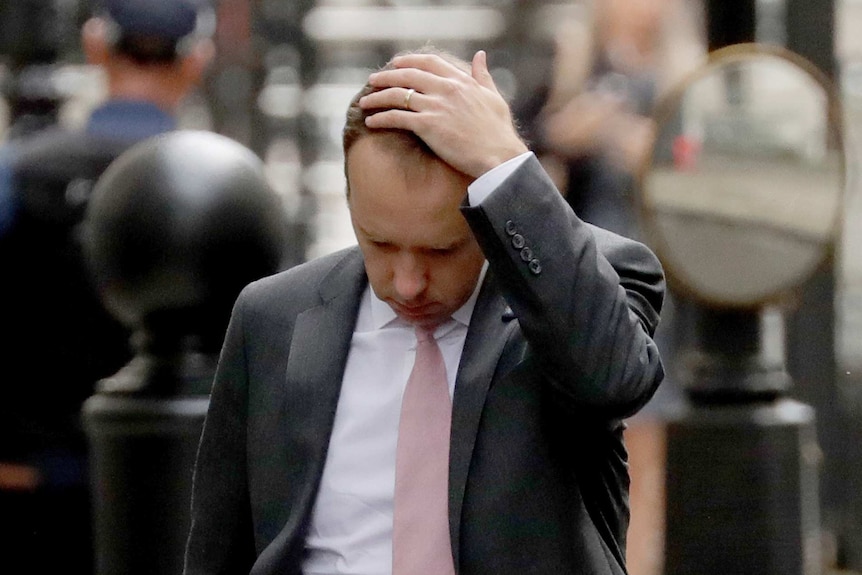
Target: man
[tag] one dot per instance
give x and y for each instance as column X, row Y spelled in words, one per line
column 59, row 340
column 543, row 328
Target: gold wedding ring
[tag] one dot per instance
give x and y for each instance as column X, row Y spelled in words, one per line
column 407, row 98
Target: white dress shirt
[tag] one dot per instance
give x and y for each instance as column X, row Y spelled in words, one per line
column 351, row 525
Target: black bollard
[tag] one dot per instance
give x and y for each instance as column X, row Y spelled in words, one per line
column 176, row 226
column 742, row 459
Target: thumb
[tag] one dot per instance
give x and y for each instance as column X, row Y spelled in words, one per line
column 480, row 71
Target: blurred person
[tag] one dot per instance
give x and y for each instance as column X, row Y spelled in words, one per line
column 591, row 122
column 58, row 338
column 449, row 395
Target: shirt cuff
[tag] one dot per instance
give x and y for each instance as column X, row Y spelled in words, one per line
column 484, row 185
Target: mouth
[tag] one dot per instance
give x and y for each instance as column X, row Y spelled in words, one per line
column 413, row 313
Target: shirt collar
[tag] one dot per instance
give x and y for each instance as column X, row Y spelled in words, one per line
column 382, row 315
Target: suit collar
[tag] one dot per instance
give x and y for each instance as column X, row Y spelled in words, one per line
column 347, row 277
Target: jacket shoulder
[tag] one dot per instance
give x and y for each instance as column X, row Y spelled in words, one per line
column 301, row 286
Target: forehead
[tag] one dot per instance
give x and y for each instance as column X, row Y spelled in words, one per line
column 389, row 149
column 393, row 193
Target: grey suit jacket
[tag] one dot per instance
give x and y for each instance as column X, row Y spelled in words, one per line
column 558, row 352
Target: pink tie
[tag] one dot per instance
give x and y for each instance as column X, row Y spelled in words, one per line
column 420, row 538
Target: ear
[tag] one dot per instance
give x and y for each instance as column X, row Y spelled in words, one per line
column 94, row 40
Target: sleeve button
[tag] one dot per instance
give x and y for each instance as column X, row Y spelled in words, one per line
column 518, row 241
column 527, row 254
column 510, row 228
column 535, row 266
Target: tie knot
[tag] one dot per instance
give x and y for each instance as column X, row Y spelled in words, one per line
column 425, row 334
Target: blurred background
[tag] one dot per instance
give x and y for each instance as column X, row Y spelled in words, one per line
column 583, row 77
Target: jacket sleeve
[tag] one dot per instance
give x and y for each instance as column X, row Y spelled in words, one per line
column 221, row 535
column 587, row 300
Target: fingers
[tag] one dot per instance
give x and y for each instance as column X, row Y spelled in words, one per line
column 430, row 63
column 420, row 80
column 394, row 85
column 480, row 71
column 415, row 77
column 397, row 98
column 394, row 119
column 427, row 72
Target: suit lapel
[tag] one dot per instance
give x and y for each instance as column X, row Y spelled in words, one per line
column 485, row 341
column 318, row 353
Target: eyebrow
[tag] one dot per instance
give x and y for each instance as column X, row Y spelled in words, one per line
column 371, row 237
column 451, row 245
column 379, row 240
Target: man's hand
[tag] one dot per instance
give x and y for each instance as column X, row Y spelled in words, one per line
column 460, row 115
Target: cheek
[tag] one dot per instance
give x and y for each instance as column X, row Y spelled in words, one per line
column 379, row 271
column 457, row 277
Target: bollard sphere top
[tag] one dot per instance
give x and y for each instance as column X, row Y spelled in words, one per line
column 176, row 226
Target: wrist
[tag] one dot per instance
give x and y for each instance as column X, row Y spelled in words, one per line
column 499, row 158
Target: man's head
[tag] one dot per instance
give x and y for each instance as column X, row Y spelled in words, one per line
column 151, row 31
column 154, row 50
column 420, row 254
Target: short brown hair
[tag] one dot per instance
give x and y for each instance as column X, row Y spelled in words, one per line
column 355, row 128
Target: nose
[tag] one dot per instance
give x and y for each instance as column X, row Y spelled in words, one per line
column 410, row 277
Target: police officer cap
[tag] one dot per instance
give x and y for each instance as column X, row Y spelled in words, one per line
column 170, row 20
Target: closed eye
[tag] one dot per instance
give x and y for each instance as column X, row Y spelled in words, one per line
column 381, row 245
column 447, row 250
